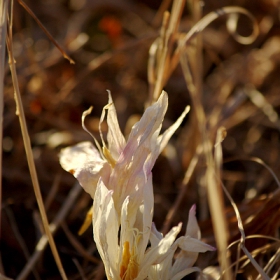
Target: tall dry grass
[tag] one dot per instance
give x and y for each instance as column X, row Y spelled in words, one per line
column 231, row 89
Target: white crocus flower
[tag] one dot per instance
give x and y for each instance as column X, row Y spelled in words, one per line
column 119, row 179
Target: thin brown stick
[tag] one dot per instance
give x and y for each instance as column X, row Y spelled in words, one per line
column 172, row 212
column 46, row 32
column 159, row 15
column 28, row 149
column 256, row 251
column 205, row 21
column 163, row 49
column 223, row 238
column 243, row 238
column 19, row 238
column 42, row 243
column 99, row 273
column 77, row 264
column 53, row 191
column 213, row 189
column 3, row 29
column 77, row 245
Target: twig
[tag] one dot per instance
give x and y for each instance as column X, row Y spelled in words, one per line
column 159, row 15
column 82, row 274
column 3, row 29
column 28, row 149
column 161, row 50
column 213, row 189
column 172, row 212
column 205, row 21
column 46, row 31
column 243, row 238
column 77, row 245
column 53, row 191
column 20, row 239
column 66, row 207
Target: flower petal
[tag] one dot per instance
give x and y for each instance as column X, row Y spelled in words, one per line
column 115, row 138
column 184, row 260
column 147, row 217
column 84, row 162
column 105, row 229
column 128, row 175
column 165, row 137
column 160, row 141
column 188, row 243
column 190, row 247
column 157, row 254
column 192, row 226
column 155, row 236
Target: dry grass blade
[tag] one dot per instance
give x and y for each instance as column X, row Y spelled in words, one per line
column 46, row 31
column 198, row 47
column 271, row 263
column 2, row 277
column 20, row 239
column 213, row 187
column 28, row 149
column 256, row 251
column 159, row 15
column 262, row 274
column 218, row 150
column 173, row 210
column 243, row 238
column 216, row 202
column 66, row 207
column 77, row 245
column 228, row 85
column 81, row 272
column 3, row 28
column 205, row 21
column 212, row 176
column 261, row 162
column 260, row 101
column 161, row 50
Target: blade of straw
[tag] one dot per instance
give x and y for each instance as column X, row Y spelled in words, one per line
column 3, row 28
column 164, row 48
column 42, row 243
column 28, row 149
column 65, row 55
column 214, row 191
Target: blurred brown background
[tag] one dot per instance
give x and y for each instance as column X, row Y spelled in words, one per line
column 109, row 42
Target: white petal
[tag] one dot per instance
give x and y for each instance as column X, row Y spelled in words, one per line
column 84, row 162
column 170, row 131
column 184, row 260
column 149, row 123
column 128, row 216
column 147, row 216
column 164, row 267
column 188, row 243
column 74, row 157
column 128, row 172
column 105, row 229
column 192, row 226
column 115, row 138
column 161, row 141
column 155, row 236
column 157, row 254
column 155, row 272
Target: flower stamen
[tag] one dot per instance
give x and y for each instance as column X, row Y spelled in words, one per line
column 108, row 156
column 129, row 265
